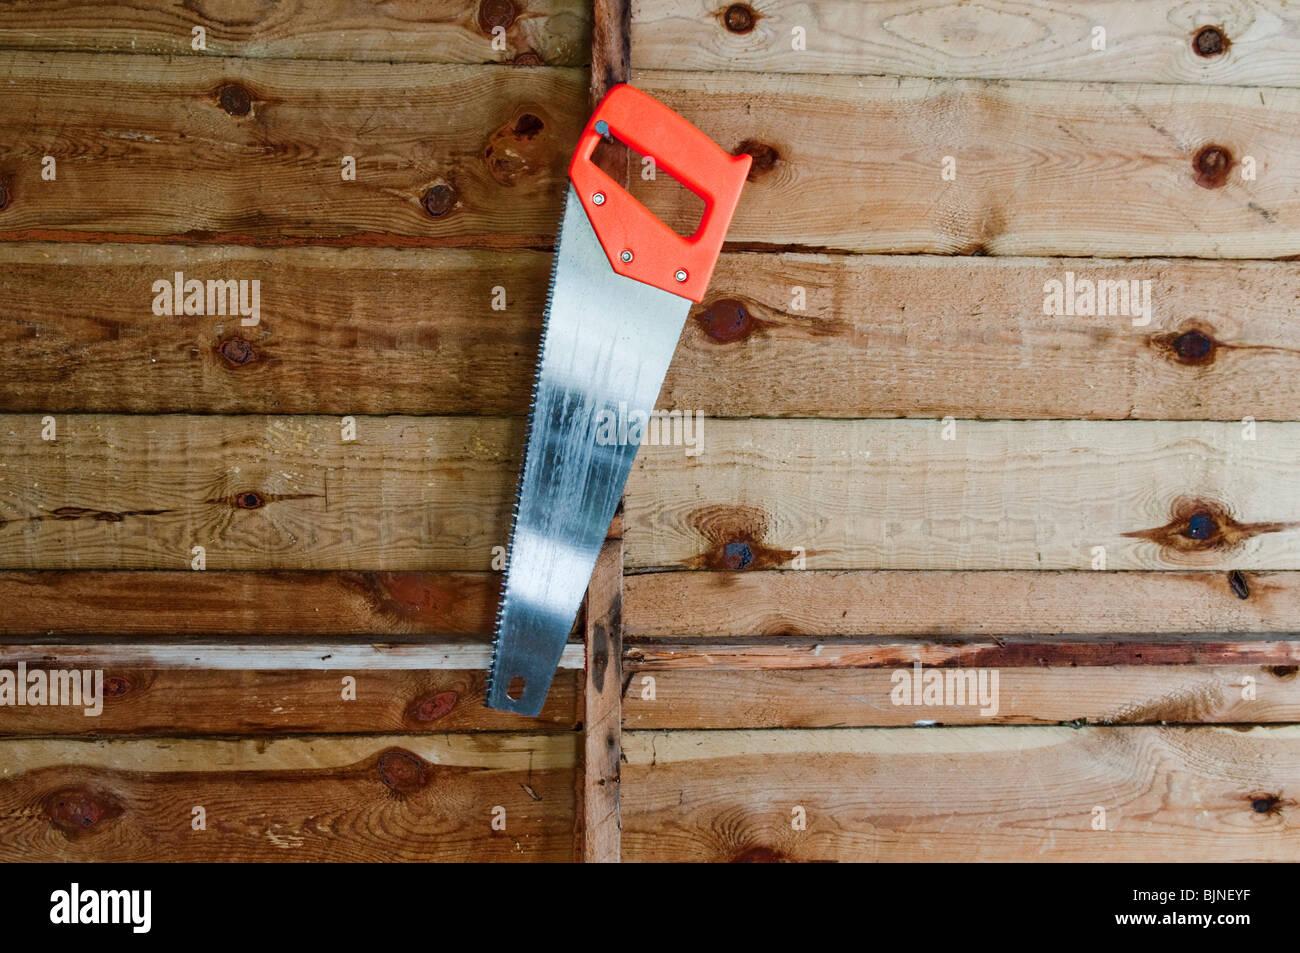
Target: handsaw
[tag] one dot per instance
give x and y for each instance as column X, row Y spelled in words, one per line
column 621, row 287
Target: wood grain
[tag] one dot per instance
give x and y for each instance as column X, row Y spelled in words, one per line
column 1105, row 170
column 1279, row 652
column 410, row 493
column 877, row 336
column 347, row 798
column 184, row 603
column 975, row 794
column 751, row 604
column 443, row 31
column 257, row 654
column 1026, row 39
column 602, row 693
column 202, row 149
column 837, row 698
column 891, row 336
column 342, row 331
column 894, row 494
column 203, row 701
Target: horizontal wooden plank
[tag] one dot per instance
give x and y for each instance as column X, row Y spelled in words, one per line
column 876, row 336
column 895, row 494
column 1278, row 653
column 433, row 493
column 347, row 798
column 256, row 653
column 187, row 603
column 896, row 336
column 141, row 701
column 1253, row 44
column 341, row 330
column 831, row 698
column 978, row 794
column 712, row 605
column 409, row 493
column 1103, row 170
column 205, row 149
column 444, row 31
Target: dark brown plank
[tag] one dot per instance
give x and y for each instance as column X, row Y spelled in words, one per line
column 139, row 701
column 202, row 149
column 343, row 798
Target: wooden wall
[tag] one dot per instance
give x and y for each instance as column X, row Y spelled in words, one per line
column 327, row 558
column 904, row 460
column 829, row 535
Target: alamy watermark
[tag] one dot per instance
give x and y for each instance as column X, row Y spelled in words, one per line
column 658, row 428
column 53, row 687
column 946, row 687
column 184, row 296
column 1101, row 297
column 75, row 905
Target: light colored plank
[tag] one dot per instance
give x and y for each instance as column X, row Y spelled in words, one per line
column 188, row 701
column 413, row 31
column 834, row 698
column 410, row 493
column 1103, row 170
column 897, row 336
column 978, row 794
column 341, row 330
column 257, row 654
column 894, row 494
column 827, row 603
column 1152, row 41
column 376, row 798
column 203, row 149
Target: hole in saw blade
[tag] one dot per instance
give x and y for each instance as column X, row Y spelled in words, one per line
column 654, row 187
column 515, row 690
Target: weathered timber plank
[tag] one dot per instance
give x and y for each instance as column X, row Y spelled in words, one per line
column 374, row 330
column 372, row 798
column 553, row 32
column 831, row 698
column 1144, row 42
column 1280, row 652
column 836, row 336
column 978, row 794
column 825, row 603
column 1103, row 170
column 142, row 701
column 202, row 149
column 184, row 602
column 409, row 493
column 894, row 494
column 346, row 331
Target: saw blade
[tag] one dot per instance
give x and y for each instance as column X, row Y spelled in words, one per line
column 606, row 346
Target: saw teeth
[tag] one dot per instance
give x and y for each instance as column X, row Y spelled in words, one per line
column 519, row 482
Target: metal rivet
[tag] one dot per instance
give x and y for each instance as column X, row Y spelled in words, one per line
column 626, row 256
column 599, row 198
column 681, row 274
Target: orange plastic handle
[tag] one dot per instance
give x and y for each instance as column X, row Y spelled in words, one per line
column 636, row 242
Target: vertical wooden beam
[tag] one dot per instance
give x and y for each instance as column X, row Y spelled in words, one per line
column 610, row 45
column 600, row 823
